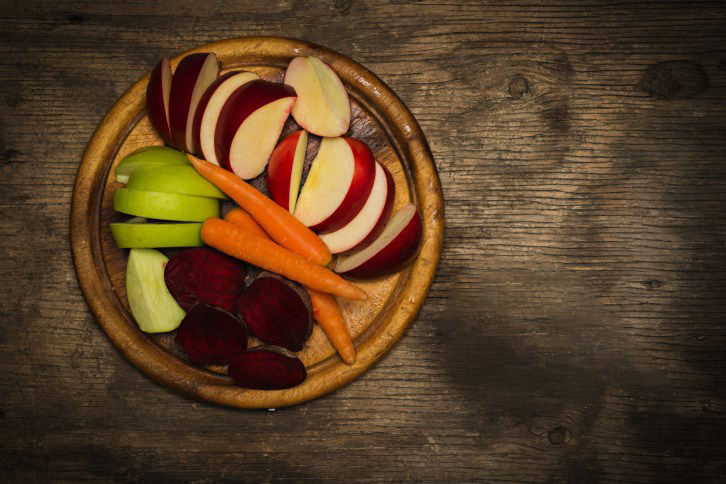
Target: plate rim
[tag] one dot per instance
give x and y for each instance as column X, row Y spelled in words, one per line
column 197, row 383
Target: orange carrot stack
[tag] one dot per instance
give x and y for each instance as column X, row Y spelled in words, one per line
column 264, row 253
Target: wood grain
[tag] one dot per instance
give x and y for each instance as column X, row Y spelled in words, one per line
column 575, row 328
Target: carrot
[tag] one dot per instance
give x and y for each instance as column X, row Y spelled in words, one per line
column 279, row 224
column 327, row 313
column 242, row 219
column 262, row 252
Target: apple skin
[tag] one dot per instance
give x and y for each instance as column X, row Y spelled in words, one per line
column 149, row 155
column 385, row 214
column 157, row 99
column 360, row 187
column 323, row 107
column 193, row 75
column 284, row 169
column 138, row 234
column 394, row 255
column 217, row 93
column 165, row 206
column 180, row 179
column 337, row 186
column 337, row 242
column 240, row 105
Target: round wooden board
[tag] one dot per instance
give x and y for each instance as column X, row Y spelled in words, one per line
column 379, row 118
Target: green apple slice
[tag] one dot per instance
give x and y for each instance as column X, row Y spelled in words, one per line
column 165, row 206
column 137, row 234
column 153, row 307
column 173, row 179
column 149, row 155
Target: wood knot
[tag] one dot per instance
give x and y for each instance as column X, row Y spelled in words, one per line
column 9, row 156
column 558, row 435
column 342, row 6
column 518, row 87
column 674, row 79
column 652, row 284
column 76, row 19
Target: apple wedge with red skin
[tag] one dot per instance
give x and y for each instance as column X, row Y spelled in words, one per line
column 323, row 107
column 211, row 103
column 249, row 125
column 391, row 250
column 157, row 99
column 337, row 186
column 285, row 168
column 192, row 77
column 369, row 222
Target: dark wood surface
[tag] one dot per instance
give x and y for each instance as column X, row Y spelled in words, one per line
column 575, row 329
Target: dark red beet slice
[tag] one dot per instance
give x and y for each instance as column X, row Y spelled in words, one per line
column 211, row 336
column 205, row 275
column 276, row 311
column 267, row 368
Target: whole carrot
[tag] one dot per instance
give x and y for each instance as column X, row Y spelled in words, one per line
column 262, row 252
column 327, row 313
column 325, row 308
column 279, row 224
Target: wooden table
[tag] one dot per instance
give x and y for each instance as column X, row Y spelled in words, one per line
column 575, row 329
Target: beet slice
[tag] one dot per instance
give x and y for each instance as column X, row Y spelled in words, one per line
column 267, row 368
column 211, row 336
column 205, row 275
column 276, row 311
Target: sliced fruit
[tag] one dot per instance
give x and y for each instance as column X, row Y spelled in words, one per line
column 277, row 311
column 267, row 368
column 157, row 99
column 153, row 307
column 165, row 206
column 396, row 245
column 149, row 155
column 250, row 124
column 370, row 220
column 209, row 107
column 285, row 169
column 323, row 107
column 137, row 233
column 338, row 184
column 205, row 275
column 173, row 179
column 192, row 77
column 211, row 336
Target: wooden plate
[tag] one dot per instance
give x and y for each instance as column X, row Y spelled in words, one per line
column 379, row 118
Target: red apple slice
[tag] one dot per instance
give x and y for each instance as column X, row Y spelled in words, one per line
column 396, row 245
column 284, row 171
column 338, row 184
column 370, row 220
column 249, row 125
column 157, row 99
column 323, row 107
column 205, row 118
column 192, row 77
